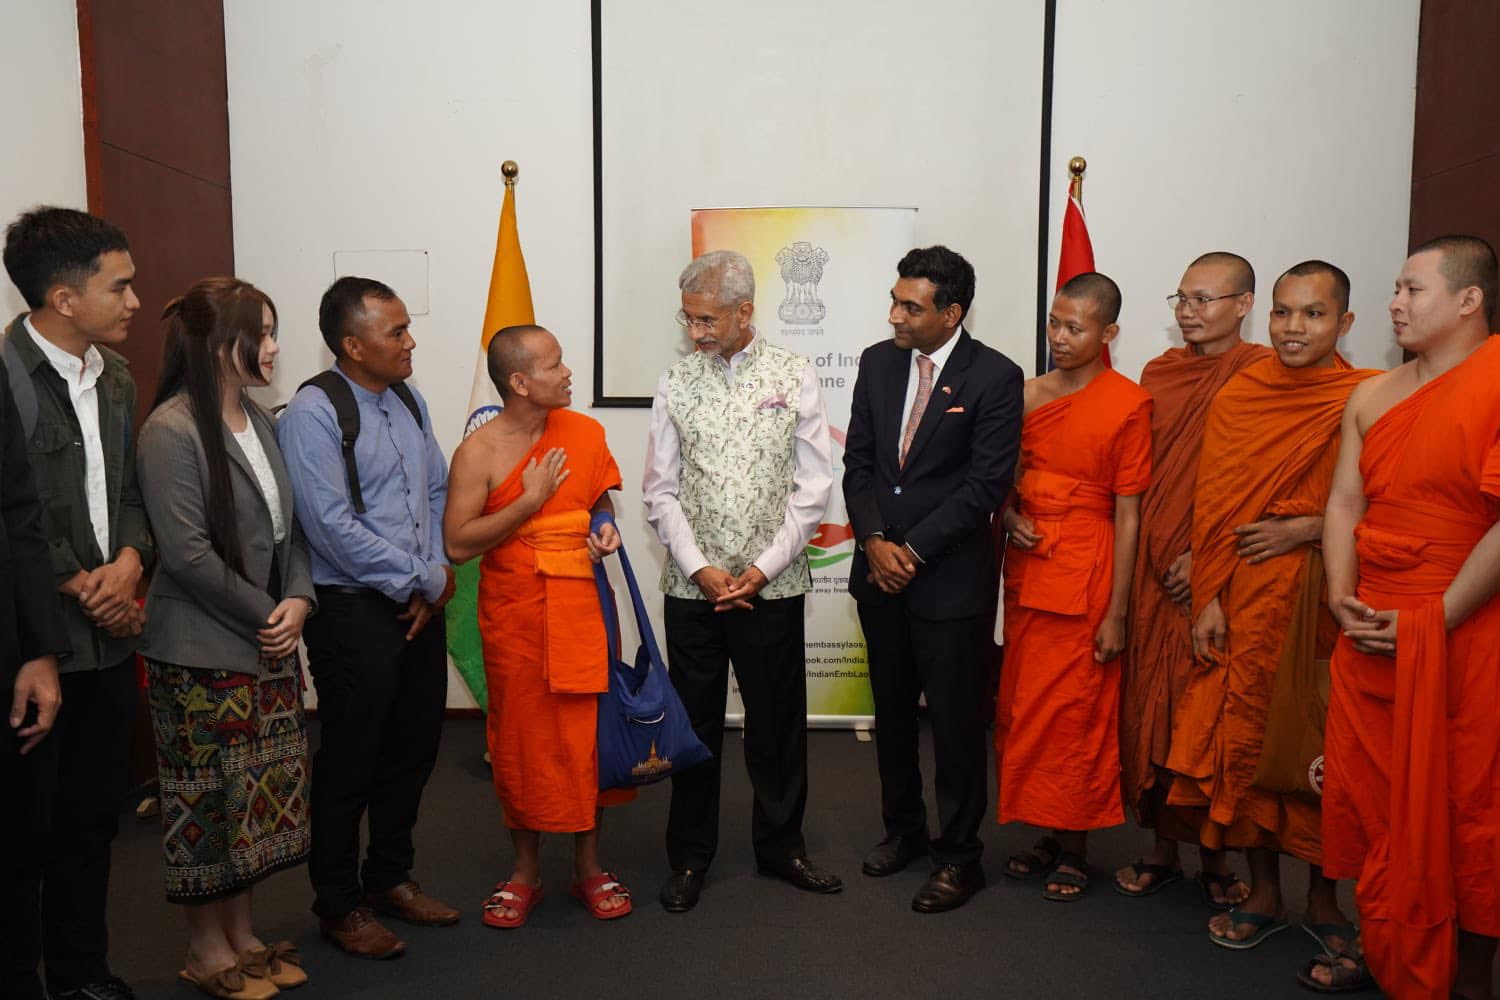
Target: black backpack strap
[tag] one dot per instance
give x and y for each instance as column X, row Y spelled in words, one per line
column 347, row 412
column 403, row 393
column 22, row 391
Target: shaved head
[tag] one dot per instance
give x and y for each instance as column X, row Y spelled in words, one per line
column 1467, row 262
column 1243, row 273
column 1311, row 268
column 512, row 350
column 1097, row 289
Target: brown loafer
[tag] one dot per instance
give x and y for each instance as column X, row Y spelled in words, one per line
column 361, row 935
column 408, row 902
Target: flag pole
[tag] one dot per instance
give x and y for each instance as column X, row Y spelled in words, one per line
column 510, row 171
column 1076, row 166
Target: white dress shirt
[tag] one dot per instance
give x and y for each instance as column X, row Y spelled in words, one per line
column 812, row 478
column 82, row 378
column 939, row 358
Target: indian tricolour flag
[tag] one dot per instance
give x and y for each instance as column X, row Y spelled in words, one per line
column 509, row 305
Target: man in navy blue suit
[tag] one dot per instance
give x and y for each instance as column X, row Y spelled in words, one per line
column 933, row 437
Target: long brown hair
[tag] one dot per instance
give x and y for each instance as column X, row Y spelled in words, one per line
column 217, row 320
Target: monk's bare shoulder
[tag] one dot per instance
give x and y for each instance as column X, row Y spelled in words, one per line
column 1375, row 395
column 478, row 447
column 1039, row 390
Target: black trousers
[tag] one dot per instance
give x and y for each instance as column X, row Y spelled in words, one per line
column 54, row 871
column 766, row 646
column 380, row 705
column 911, row 656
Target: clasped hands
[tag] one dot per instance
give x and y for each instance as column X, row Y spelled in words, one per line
column 1371, row 631
column 728, row 592
column 107, row 594
column 419, row 610
column 283, row 628
column 892, row 566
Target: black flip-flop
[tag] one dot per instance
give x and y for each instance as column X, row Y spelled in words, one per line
column 1345, row 979
column 1059, row 877
column 1036, row 865
column 1161, row 877
column 1210, row 879
column 1321, row 933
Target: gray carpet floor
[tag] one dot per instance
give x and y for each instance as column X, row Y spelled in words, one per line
column 750, row 936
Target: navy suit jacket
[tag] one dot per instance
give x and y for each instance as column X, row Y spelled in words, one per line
column 958, row 471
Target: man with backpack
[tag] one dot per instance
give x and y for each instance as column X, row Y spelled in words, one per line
column 370, row 486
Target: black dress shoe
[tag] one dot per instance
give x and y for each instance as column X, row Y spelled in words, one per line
column 893, row 854
column 803, row 874
column 113, row 988
column 948, row 888
column 680, row 892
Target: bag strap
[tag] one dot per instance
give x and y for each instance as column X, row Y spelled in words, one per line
column 403, row 392
column 346, row 410
column 22, row 391
column 607, row 605
column 611, row 621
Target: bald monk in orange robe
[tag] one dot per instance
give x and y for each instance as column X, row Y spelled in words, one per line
column 1212, row 300
column 1268, row 452
column 1411, row 803
column 521, row 492
column 1085, row 459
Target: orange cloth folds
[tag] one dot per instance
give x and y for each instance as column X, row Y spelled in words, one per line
column 1411, row 803
column 1269, row 446
column 577, row 659
column 1056, row 737
column 543, row 638
column 1159, row 651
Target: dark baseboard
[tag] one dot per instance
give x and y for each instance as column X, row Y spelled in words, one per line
column 448, row 713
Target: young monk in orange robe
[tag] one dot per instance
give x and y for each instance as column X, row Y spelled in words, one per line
column 1268, row 451
column 1215, row 295
column 1411, row 804
column 521, row 492
column 1085, row 459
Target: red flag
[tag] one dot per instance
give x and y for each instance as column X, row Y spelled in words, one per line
column 1077, row 255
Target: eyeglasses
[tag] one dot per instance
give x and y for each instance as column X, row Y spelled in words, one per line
column 687, row 323
column 1196, row 302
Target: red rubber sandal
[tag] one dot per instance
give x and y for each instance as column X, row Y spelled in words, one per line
column 594, row 891
column 510, row 896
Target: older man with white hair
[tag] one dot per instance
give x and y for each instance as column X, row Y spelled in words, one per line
column 738, row 474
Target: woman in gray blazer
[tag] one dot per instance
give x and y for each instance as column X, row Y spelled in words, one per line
column 223, row 618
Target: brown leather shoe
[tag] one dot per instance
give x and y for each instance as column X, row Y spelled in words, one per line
column 361, row 935
column 408, row 902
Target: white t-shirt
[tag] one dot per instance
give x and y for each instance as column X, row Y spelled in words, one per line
column 249, row 442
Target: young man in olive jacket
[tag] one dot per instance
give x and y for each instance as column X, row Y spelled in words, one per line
column 76, row 403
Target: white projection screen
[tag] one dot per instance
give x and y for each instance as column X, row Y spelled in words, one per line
column 720, row 104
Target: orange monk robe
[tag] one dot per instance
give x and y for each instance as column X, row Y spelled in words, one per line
column 1159, row 648
column 1411, row 800
column 1056, row 722
column 1269, row 447
column 543, row 636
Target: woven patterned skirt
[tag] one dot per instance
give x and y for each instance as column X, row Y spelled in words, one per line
column 231, row 753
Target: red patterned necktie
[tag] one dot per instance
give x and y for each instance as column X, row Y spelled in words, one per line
column 918, row 405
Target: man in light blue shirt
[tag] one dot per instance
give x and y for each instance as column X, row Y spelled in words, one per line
column 376, row 647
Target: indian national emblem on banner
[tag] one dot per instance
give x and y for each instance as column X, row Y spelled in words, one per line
column 802, row 269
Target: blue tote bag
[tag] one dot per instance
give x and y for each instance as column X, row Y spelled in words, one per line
column 644, row 732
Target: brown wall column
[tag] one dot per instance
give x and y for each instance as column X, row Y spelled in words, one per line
column 156, row 154
column 1455, row 172
column 156, row 149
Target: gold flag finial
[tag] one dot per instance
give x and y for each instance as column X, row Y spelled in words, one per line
column 510, row 171
column 1076, row 166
